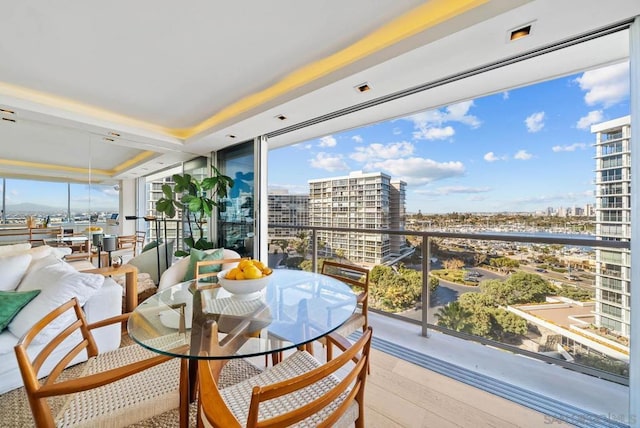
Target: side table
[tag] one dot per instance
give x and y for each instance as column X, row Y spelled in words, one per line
column 131, row 282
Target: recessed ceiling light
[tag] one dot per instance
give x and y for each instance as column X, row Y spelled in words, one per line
column 520, row 32
column 363, row 87
column 281, row 117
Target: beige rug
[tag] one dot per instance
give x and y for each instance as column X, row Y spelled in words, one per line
column 15, row 411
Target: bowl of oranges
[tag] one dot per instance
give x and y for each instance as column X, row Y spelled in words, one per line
column 246, row 280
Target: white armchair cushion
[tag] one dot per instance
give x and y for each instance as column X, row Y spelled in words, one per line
column 58, row 283
column 12, row 269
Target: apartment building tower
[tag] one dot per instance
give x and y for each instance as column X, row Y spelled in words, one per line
column 285, row 208
column 358, row 201
column 613, row 222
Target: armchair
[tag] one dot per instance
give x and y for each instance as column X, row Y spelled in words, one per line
column 136, row 383
column 298, row 389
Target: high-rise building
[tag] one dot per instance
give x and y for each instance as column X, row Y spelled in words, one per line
column 613, row 222
column 285, row 208
column 358, row 201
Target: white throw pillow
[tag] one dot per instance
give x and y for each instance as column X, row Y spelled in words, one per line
column 40, row 252
column 6, row 250
column 12, row 269
column 59, row 283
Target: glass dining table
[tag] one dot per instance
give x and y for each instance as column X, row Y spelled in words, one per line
column 201, row 320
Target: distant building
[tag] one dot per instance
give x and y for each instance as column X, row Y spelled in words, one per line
column 613, row 222
column 285, row 208
column 359, row 201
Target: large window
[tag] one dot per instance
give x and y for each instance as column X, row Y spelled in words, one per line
column 62, row 203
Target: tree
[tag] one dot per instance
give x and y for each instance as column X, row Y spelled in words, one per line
column 453, row 264
column 520, row 287
column 190, row 195
column 454, row 317
column 434, row 282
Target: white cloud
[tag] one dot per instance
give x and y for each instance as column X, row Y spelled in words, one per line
column 430, row 125
column 592, row 117
column 433, row 133
column 357, row 138
column 379, row 151
column 459, row 113
column 448, row 190
column 416, row 171
column 505, row 95
column 491, row 157
column 397, row 131
column 329, row 162
column 522, row 155
column 327, row 141
column 569, row 148
column 535, row 122
column 605, row 86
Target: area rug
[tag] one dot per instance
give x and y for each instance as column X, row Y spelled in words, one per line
column 15, row 411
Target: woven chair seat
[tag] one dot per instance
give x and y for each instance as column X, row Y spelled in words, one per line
column 147, row 394
column 238, row 396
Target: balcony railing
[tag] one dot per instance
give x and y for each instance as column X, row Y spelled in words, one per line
column 610, row 351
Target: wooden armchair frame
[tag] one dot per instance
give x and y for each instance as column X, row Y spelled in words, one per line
column 204, row 263
column 215, row 410
column 37, row 393
column 358, row 279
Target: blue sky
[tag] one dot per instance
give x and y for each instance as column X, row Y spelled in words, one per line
column 522, row 150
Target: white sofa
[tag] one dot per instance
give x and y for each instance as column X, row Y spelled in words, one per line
column 23, row 269
column 175, row 274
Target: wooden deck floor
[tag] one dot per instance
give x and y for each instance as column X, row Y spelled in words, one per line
column 401, row 394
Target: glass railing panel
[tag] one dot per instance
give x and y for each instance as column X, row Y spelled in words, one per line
column 535, row 296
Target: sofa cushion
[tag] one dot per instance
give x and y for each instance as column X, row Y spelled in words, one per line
column 196, row 256
column 12, row 269
column 6, row 250
column 59, row 283
column 11, row 302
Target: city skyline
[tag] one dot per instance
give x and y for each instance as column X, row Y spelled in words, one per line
column 522, row 150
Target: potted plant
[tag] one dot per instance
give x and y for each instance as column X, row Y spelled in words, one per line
column 196, row 198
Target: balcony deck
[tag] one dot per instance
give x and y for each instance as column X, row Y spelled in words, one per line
column 444, row 381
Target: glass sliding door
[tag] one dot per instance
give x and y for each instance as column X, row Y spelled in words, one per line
column 236, row 227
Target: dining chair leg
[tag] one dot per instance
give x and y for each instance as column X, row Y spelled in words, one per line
column 185, row 388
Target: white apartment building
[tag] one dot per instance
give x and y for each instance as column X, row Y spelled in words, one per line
column 285, row 208
column 358, row 201
column 613, row 222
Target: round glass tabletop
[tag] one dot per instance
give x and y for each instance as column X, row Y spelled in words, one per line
column 203, row 320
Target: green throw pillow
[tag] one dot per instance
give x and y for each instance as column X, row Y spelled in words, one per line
column 199, row 255
column 11, row 302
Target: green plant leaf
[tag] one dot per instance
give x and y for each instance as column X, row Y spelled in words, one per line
column 189, row 241
column 168, row 191
column 195, row 204
column 181, row 253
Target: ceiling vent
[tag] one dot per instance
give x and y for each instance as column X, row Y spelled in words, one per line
column 520, row 32
column 363, row 87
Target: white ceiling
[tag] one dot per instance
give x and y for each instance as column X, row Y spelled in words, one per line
column 173, row 80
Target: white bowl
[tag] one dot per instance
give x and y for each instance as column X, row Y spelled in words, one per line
column 243, row 288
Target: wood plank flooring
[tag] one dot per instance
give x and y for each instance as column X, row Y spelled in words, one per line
column 401, row 394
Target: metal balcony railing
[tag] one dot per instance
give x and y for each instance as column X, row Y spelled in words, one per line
column 503, row 239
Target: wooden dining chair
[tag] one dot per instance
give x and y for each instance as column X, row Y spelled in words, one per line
column 117, row 388
column 358, row 279
column 139, row 244
column 299, row 389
